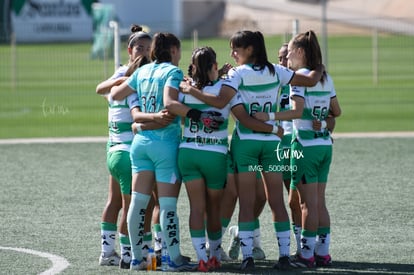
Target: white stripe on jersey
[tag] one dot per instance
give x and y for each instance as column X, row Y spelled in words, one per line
column 317, row 102
column 259, row 92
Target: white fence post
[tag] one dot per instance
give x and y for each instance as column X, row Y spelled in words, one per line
column 117, row 41
column 324, row 25
column 295, row 27
column 13, row 57
column 195, row 39
column 375, row 56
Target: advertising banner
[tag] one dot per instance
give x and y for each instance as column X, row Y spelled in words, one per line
column 51, row 20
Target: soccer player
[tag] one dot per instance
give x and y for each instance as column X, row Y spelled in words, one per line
column 311, row 150
column 118, row 146
column 204, row 181
column 154, row 152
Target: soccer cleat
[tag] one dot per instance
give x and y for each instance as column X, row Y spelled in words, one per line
column 234, row 248
column 213, row 263
column 247, row 264
column 258, row 253
column 224, row 256
column 284, row 263
column 186, row 258
column 202, row 266
column 293, row 257
column 158, row 256
column 323, row 261
column 184, row 266
column 302, row 262
column 138, row 265
column 123, row 264
column 125, row 260
column 109, row 259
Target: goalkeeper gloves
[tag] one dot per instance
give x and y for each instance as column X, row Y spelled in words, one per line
column 210, row 119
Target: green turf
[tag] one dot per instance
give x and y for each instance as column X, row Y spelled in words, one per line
column 49, row 89
column 53, row 196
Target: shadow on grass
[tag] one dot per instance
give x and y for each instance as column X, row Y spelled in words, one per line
column 338, row 267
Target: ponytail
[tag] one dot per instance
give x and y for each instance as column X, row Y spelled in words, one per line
column 202, row 60
column 309, row 43
column 261, row 55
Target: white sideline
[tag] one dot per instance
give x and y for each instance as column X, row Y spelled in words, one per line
column 374, row 135
column 104, row 139
column 54, row 140
column 58, row 263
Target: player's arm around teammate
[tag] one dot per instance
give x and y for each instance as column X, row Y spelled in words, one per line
column 237, row 109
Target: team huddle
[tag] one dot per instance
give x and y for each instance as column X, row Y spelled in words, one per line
column 166, row 129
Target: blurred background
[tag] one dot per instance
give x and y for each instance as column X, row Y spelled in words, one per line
column 53, row 53
column 73, row 20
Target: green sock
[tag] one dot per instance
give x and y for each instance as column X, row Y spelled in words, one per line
column 308, row 240
column 158, row 238
column 125, row 245
column 108, row 234
column 224, row 224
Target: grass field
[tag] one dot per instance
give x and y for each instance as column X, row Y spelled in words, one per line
column 53, row 195
column 49, row 89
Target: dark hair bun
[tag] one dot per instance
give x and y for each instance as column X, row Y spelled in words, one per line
column 136, row 28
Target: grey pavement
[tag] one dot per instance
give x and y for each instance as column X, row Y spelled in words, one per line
column 350, row 15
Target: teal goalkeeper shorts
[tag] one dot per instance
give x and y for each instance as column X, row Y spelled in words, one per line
column 158, row 156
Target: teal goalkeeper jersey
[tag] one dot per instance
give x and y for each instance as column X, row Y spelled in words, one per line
column 149, row 82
